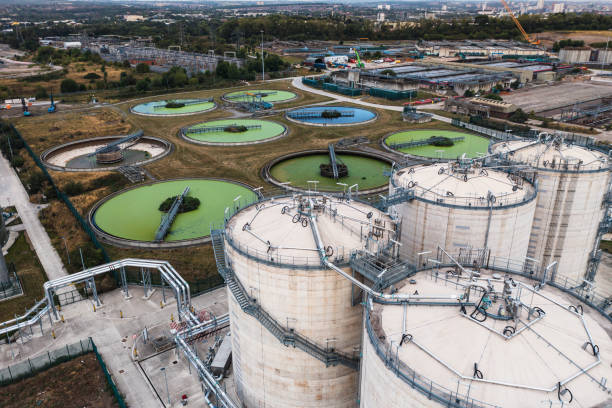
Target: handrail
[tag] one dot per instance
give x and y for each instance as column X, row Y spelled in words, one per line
column 284, row 335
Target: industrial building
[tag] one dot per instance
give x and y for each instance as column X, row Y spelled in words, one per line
column 572, row 204
column 475, row 49
column 462, row 207
column 435, row 77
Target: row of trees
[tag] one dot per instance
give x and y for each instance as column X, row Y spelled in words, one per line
column 344, row 28
column 202, row 35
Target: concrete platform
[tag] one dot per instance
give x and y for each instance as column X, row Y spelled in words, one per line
column 114, row 336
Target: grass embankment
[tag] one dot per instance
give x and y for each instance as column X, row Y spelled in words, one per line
column 30, row 273
column 240, row 163
column 74, row 384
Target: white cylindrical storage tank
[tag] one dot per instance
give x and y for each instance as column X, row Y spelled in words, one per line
column 271, row 249
column 459, row 208
column 431, row 354
column 572, row 182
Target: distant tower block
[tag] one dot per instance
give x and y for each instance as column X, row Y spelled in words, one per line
column 572, row 185
column 273, row 254
column 461, row 207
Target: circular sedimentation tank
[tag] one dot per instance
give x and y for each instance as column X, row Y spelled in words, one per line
column 77, row 155
column 331, row 115
column 456, row 205
column 234, row 132
column 427, row 143
column 131, row 217
column 272, row 252
column 523, row 347
column 267, row 95
column 173, row 107
column 572, row 183
column 367, row 171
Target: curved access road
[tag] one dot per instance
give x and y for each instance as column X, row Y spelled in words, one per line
column 297, row 83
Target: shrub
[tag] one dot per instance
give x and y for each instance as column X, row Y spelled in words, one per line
column 40, row 93
column 188, row 204
column 92, row 76
column 142, row 68
column 469, row 93
column 235, row 128
column 330, row 114
column 36, row 181
column 389, row 72
column 174, row 105
column 519, row 116
column 493, row 96
column 74, row 188
column 17, row 161
column 69, row 85
column 441, row 141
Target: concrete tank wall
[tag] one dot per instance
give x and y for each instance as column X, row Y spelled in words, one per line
column 317, row 304
column 568, row 213
column 381, row 387
column 426, row 225
column 429, row 220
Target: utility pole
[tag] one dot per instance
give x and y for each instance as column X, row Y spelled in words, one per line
column 605, row 58
column 263, row 69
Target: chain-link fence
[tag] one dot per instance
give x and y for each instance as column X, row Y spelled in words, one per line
column 34, row 365
column 61, row 195
column 42, row 362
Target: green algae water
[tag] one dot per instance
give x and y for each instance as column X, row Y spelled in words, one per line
column 271, row 95
column 472, row 145
column 268, row 130
column 134, row 214
column 365, row 171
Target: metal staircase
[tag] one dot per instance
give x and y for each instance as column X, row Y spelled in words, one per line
column 400, row 196
column 332, row 160
column 286, row 336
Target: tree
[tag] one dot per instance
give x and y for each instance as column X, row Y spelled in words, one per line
column 468, row 93
column 69, row 85
column 142, row 85
column 126, row 64
column 519, row 116
column 142, row 68
column 41, row 93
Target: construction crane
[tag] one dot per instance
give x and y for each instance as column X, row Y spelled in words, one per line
column 359, row 63
column 518, row 24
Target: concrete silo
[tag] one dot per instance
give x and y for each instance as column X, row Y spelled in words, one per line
column 460, row 207
column 296, row 325
column 572, row 185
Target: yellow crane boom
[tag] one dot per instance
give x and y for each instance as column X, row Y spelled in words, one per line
column 518, row 24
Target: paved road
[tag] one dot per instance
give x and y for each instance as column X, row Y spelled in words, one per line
column 13, row 193
column 297, row 83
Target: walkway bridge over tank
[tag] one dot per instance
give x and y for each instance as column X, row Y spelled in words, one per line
column 109, row 147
